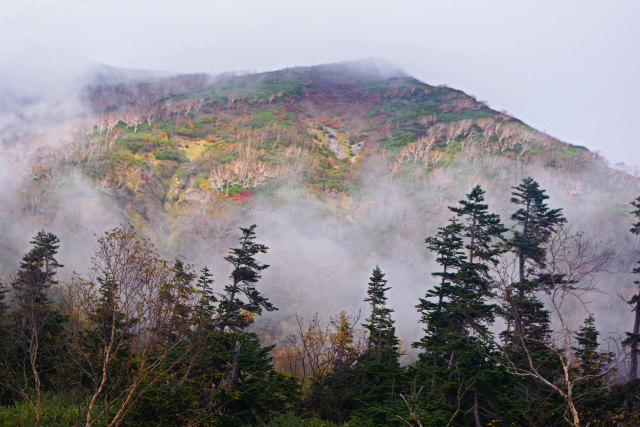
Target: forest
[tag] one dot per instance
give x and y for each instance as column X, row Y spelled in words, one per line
column 143, row 340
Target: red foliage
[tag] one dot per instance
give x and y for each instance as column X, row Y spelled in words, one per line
column 246, row 193
column 238, row 197
column 105, row 156
column 330, row 122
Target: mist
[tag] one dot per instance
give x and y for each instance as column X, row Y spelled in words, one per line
column 322, row 249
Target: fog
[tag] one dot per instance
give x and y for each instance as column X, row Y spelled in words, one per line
column 322, row 250
column 568, row 68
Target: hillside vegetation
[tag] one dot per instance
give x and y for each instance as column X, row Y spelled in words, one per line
column 344, row 167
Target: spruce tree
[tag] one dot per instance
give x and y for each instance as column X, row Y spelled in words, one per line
column 590, row 360
column 591, row 363
column 436, row 307
column 205, row 307
column 242, row 300
column 471, row 289
column 633, row 338
column 535, row 223
column 235, row 312
column 382, row 341
column 377, row 371
column 484, row 233
column 6, row 346
column 482, row 229
column 180, row 300
column 37, row 323
column 107, row 341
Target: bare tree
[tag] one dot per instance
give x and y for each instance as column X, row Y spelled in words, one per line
column 569, row 276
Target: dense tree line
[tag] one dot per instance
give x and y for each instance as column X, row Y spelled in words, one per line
column 141, row 340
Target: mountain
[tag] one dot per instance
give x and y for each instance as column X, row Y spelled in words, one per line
column 342, row 166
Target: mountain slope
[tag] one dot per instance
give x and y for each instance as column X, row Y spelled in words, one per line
column 342, row 166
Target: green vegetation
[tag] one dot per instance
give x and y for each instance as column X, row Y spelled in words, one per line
column 283, row 136
column 142, row 340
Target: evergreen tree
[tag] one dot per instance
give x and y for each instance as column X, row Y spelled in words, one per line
column 535, row 222
column 234, row 312
column 528, row 322
column 482, row 229
column 6, row 346
column 471, row 289
column 436, row 307
column 37, row 323
column 590, row 360
column 205, row 307
column 377, row 371
column 591, row 400
column 484, row 233
column 178, row 297
column 382, row 341
column 633, row 338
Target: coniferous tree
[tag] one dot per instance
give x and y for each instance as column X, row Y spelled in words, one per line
column 482, row 228
column 37, row 324
column 633, row 338
column 178, row 296
column 528, row 321
column 471, row 289
column 591, row 401
column 377, row 372
column 106, row 346
column 590, row 360
column 234, row 312
column 535, row 222
column 472, row 286
column 6, row 346
column 382, row 343
column 436, row 306
column 205, row 307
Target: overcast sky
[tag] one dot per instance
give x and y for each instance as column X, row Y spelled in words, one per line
column 567, row 67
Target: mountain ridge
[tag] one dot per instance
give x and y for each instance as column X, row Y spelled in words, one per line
column 333, row 164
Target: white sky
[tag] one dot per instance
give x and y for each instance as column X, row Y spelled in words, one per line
column 567, row 67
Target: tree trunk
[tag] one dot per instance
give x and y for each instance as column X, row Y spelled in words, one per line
column 236, row 354
column 476, row 415
column 34, row 346
column 635, row 343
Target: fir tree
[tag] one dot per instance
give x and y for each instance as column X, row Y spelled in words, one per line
column 470, row 291
column 437, row 306
column 179, row 298
column 6, row 346
column 382, row 341
column 484, row 233
column 482, row 229
column 205, row 307
column 377, row 370
column 234, row 312
column 535, row 222
column 590, row 360
column 38, row 325
column 633, row 338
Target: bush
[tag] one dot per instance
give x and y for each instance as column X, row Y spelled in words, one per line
column 165, row 153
